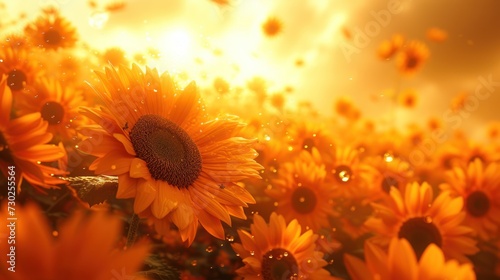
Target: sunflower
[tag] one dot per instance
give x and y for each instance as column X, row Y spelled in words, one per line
column 415, row 216
column 57, row 104
column 114, row 56
column 408, row 99
column 23, row 145
column 272, row 27
column 345, row 108
column 306, row 135
column 389, row 48
column 301, row 192
column 18, row 67
column 180, row 166
column 400, row 262
column 470, row 151
column 436, row 34
column 391, row 172
column 279, row 251
column 14, row 41
column 51, row 31
column 272, row 155
column 479, row 185
column 412, row 57
column 349, row 174
column 85, row 248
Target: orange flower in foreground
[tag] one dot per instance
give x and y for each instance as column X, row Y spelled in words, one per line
column 180, row 166
column 85, row 248
column 279, row 251
column 422, row 220
column 401, row 263
column 412, row 57
column 23, row 144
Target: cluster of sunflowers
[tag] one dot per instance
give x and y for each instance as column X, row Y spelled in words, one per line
column 116, row 169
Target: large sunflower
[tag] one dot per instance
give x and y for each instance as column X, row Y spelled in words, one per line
column 23, row 145
column 179, row 166
column 51, row 31
column 279, row 251
column 415, row 216
column 400, row 262
column 479, row 185
column 301, row 192
column 85, row 248
column 19, row 68
column 57, row 104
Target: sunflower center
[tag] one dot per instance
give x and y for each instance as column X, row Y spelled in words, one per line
column 16, row 80
column 343, row 173
column 389, row 182
column 52, row 37
column 53, row 112
column 412, row 61
column 4, row 150
column 279, row 264
column 308, row 144
column 477, row 204
column 303, row 200
column 169, row 152
column 420, row 232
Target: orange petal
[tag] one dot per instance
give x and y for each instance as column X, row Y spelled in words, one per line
column 127, row 187
column 146, row 193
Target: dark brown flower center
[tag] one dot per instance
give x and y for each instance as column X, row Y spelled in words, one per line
column 389, row 182
column 412, row 61
column 304, row 200
column 308, row 144
column 279, row 264
column 53, row 112
column 52, row 37
column 16, row 80
column 420, row 232
column 477, row 204
column 5, row 154
column 343, row 173
column 169, row 152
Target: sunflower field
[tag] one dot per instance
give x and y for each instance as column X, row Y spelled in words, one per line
column 249, row 139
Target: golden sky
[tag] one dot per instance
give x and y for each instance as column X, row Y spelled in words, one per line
column 188, row 32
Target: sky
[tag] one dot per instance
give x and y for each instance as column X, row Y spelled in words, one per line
column 188, row 32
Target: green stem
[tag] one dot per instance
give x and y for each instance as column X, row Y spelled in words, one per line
column 132, row 230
